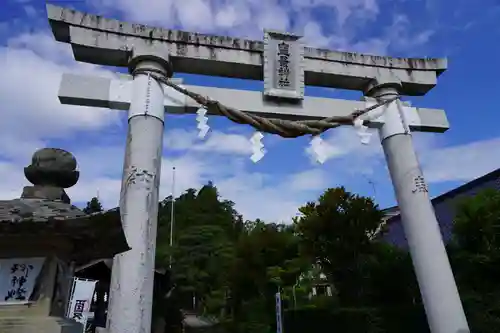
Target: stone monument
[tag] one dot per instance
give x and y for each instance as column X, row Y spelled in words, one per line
column 42, row 237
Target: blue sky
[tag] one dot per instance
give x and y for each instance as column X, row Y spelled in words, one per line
column 464, row 31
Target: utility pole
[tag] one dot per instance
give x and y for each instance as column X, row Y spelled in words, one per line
column 172, row 218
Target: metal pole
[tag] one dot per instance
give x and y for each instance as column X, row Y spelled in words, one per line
column 294, row 297
column 440, row 296
column 279, row 312
column 172, row 217
column 131, row 289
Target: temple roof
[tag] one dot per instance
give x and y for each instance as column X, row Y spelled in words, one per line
column 39, row 210
column 44, row 213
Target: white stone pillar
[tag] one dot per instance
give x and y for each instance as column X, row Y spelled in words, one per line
column 131, row 290
column 442, row 303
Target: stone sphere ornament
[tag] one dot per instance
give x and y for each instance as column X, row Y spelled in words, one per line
column 52, row 167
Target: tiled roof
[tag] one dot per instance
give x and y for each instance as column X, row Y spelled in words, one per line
column 94, row 236
column 37, row 210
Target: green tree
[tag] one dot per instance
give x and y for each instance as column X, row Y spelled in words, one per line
column 267, row 260
column 336, row 232
column 205, row 231
column 475, row 256
column 93, row 206
column 232, row 269
column 388, row 262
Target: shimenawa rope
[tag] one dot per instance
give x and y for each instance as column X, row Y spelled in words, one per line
column 281, row 127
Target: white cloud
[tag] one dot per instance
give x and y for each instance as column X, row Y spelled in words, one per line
column 155, row 12
column 462, row 163
column 248, row 18
column 12, row 180
column 215, row 142
column 314, row 35
column 195, row 14
column 272, row 203
column 31, row 66
column 309, row 180
column 344, row 143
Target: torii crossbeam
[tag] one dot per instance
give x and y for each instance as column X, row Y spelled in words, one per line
column 117, row 94
column 285, row 66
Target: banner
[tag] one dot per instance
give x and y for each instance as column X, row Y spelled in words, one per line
column 18, row 277
column 279, row 321
column 82, row 293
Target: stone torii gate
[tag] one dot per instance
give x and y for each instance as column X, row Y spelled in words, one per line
column 285, row 66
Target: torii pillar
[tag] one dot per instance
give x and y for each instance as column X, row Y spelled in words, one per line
column 443, row 307
column 132, row 277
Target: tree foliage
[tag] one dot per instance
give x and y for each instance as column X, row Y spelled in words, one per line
column 336, row 232
column 93, row 206
column 228, row 269
column 475, row 254
column 205, row 230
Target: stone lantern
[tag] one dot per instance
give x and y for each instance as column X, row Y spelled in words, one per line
column 42, row 237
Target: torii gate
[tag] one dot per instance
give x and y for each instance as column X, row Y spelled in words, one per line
column 285, row 65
